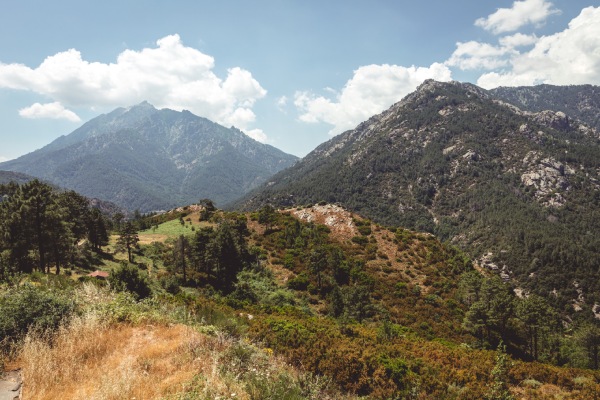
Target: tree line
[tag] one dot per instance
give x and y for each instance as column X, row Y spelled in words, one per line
column 529, row 325
column 43, row 228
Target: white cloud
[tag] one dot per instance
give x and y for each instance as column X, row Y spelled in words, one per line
column 568, row 57
column 49, row 110
column 169, row 75
column 517, row 40
column 257, row 134
column 2, row 158
column 476, row 55
column 372, row 89
column 282, row 103
column 520, row 14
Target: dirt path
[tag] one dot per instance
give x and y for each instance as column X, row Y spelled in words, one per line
column 10, row 385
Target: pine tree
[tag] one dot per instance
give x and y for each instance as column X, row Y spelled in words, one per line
column 128, row 240
column 499, row 388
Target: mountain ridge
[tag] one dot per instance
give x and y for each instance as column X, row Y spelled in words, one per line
column 517, row 189
column 148, row 159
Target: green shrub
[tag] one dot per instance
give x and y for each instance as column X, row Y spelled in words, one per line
column 281, row 298
column 29, row 307
column 364, row 230
column 396, row 369
column 361, row 240
column 299, row 282
column 170, row 283
column 128, row 278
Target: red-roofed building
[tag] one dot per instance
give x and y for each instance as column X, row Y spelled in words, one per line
column 99, row 274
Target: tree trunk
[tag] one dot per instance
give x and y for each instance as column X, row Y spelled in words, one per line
column 183, row 259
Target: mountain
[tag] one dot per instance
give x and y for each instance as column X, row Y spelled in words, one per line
column 519, row 191
column 577, row 101
column 16, row 177
column 148, row 159
column 106, row 207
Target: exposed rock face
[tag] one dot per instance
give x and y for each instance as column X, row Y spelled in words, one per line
column 580, row 102
column 335, row 217
column 549, row 177
column 555, row 120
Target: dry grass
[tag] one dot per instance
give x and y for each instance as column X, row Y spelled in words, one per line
column 88, row 360
column 92, row 357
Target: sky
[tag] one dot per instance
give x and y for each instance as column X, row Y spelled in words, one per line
column 290, row 73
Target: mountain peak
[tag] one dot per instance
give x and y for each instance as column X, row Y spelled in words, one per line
column 145, row 104
column 143, row 107
column 149, row 159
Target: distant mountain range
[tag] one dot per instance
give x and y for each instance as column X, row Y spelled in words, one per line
column 148, row 159
column 16, row 177
column 519, row 190
column 581, row 102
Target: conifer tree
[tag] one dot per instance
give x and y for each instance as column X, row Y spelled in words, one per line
column 128, row 240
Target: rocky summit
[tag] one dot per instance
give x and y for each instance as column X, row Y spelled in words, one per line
column 148, row 159
column 518, row 188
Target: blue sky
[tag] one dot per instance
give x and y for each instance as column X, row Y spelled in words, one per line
column 288, row 73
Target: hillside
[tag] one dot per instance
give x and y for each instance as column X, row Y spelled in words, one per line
column 311, row 302
column 148, row 159
column 517, row 190
column 9, row 176
column 324, row 305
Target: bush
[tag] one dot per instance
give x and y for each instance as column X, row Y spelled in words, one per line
column 170, row 283
column 28, row 307
column 364, row 230
column 361, row 240
column 128, row 278
column 299, row 282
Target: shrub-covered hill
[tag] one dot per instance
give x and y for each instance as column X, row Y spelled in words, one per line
column 518, row 191
column 356, row 309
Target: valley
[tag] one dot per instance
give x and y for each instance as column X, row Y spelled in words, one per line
column 445, row 248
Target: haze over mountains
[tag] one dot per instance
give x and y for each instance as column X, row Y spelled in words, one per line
column 519, row 190
column 148, row 159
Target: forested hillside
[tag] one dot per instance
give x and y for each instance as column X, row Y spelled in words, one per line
column 41, row 228
column 518, row 191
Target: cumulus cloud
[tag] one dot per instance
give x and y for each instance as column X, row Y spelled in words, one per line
column 517, row 40
column 371, row 90
column 257, row 134
column 49, row 110
column 568, row 57
column 476, row 55
column 169, row 75
column 521, row 13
